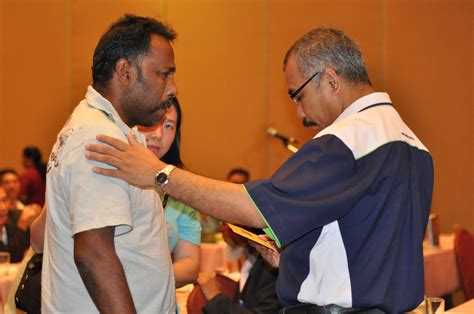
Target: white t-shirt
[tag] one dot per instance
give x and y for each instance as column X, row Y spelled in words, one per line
column 80, row 200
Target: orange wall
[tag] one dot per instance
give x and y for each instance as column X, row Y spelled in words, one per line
column 229, row 58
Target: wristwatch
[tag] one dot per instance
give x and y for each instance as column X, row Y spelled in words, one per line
column 162, row 177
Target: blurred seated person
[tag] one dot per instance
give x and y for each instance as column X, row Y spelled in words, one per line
column 210, row 229
column 182, row 221
column 256, row 286
column 211, row 232
column 14, row 239
column 33, row 178
column 238, row 175
column 36, row 246
column 10, row 181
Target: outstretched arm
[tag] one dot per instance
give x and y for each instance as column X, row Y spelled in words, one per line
column 28, row 215
column 37, row 232
column 186, row 257
column 138, row 166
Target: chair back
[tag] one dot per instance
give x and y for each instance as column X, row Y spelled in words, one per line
column 196, row 300
column 464, row 249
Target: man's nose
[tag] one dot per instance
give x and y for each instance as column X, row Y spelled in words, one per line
column 299, row 111
column 171, row 88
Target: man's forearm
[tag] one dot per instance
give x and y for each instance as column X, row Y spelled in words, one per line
column 223, row 200
column 137, row 165
column 102, row 272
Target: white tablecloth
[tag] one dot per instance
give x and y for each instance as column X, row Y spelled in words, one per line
column 212, row 257
column 7, row 276
column 467, row 307
column 441, row 271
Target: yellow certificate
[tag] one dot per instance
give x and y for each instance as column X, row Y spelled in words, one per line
column 250, row 235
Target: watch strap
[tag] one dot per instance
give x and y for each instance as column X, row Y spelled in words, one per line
column 162, row 177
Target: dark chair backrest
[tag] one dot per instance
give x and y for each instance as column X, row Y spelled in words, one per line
column 464, row 249
column 196, row 300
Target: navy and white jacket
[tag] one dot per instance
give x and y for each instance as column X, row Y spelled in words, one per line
column 349, row 210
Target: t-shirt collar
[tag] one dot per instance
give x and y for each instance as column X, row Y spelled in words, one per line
column 96, row 100
column 364, row 102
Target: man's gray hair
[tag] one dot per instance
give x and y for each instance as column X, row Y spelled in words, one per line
column 329, row 48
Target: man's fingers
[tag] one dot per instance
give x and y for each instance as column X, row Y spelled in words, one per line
column 132, row 140
column 107, row 172
column 271, row 256
column 265, row 237
column 103, row 158
column 110, row 160
column 112, row 141
column 260, row 248
column 102, row 149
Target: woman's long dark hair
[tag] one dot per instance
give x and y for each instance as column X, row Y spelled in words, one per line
column 34, row 154
column 173, row 155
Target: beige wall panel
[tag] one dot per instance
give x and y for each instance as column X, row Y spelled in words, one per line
column 229, row 58
column 90, row 20
column 429, row 75
column 221, row 61
column 4, row 143
column 35, row 63
column 362, row 20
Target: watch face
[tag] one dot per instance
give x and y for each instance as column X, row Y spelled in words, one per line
column 161, row 178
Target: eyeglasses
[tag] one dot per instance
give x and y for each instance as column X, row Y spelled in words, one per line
column 297, row 91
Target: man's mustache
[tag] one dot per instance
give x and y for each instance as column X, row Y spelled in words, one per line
column 307, row 123
column 165, row 105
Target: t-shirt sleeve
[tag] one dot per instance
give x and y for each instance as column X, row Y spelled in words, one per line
column 316, row 186
column 95, row 201
column 189, row 226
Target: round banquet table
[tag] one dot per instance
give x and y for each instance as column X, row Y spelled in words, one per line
column 8, row 274
column 441, row 271
column 212, row 256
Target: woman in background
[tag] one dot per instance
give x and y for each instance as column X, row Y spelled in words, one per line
column 33, row 178
column 184, row 229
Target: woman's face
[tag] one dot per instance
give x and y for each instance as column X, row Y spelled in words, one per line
column 160, row 137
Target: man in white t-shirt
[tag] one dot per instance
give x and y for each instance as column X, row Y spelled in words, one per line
column 105, row 243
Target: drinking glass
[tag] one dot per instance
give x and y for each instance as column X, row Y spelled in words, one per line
column 434, row 305
column 4, row 263
column 4, row 257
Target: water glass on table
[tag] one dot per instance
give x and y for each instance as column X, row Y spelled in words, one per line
column 4, row 263
column 4, row 258
column 434, row 305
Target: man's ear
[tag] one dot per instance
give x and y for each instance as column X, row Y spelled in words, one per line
column 123, row 69
column 333, row 80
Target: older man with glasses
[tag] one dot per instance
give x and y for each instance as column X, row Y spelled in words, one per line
column 347, row 211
